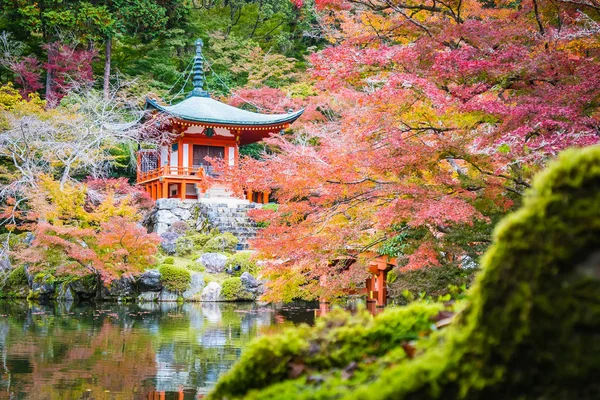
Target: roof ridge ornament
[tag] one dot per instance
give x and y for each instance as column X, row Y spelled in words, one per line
column 198, row 72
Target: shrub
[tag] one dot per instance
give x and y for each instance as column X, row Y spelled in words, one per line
column 225, row 242
column 244, row 260
column 169, row 260
column 433, row 282
column 271, row 207
column 184, row 246
column 175, row 279
column 231, row 289
column 17, row 277
column 200, row 240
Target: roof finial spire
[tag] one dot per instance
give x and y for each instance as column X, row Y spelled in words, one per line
column 198, row 71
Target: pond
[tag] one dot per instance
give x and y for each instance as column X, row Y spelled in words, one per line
column 132, row 351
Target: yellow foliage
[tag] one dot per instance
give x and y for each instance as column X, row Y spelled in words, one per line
column 68, row 205
column 60, row 206
column 9, row 96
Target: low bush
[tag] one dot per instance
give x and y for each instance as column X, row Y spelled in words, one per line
column 169, row 260
column 244, row 261
column 200, row 240
column 175, row 279
column 184, row 246
column 231, row 289
column 432, row 282
column 226, row 243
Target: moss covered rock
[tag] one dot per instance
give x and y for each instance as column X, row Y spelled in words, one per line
column 529, row 330
column 175, row 279
column 225, row 242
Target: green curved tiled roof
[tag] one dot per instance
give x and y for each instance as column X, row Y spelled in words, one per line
column 204, row 109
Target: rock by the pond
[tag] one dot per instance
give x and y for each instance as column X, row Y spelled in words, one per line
column 4, row 261
column 119, row 289
column 194, row 291
column 213, row 262
column 28, row 274
column 211, row 292
column 42, row 287
column 166, row 295
column 148, row 297
column 168, row 240
column 149, row 281
column 64, row 292
column 84, row 288
column 248, row 281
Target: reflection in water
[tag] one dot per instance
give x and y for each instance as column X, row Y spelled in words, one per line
column 134, row 351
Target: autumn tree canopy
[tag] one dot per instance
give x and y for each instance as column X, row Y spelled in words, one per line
column 427, row 121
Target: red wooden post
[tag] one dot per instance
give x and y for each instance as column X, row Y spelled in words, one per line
column 381, row 289
column 165, row 189
column 183, row 189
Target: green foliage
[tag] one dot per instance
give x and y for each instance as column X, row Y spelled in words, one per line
column 232, row 289
column 184, row 246
column 17, row 277
column 200, row 240
column 336, row 341
column 271, row 207
column 169, row 260
column 432, row 282
column 175, row 279
column 244, row 260
column 225, row 242
column 527, row 331
column 196, row 267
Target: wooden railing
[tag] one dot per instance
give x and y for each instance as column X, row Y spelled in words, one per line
column 167, row 170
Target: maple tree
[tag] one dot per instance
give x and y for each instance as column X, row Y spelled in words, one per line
column 78, row 236
column 433, row 119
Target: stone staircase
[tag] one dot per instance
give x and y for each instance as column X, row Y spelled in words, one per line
column 231, row 217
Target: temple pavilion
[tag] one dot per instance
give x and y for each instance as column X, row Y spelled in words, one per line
column 202, row 127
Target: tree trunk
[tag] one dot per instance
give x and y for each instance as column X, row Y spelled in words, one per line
column 107, row 53
column 49, row 76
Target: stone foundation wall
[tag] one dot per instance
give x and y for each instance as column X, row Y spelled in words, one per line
column 227, row 215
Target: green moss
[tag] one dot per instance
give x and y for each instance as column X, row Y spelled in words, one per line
column 231, row 289
column 17, row 278
column 243, row 259
column 225, row 242
column 200, row 240
column 197, row 267
column 184, row 246
column 169, row 260
column 528, row 330
column 175, row 279
column 335, row 342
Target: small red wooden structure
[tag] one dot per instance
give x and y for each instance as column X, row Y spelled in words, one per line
column 202, row 127
column 376, row 285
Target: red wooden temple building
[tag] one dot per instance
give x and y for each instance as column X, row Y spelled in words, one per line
column 203, row 127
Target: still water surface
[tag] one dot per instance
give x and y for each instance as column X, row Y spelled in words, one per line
column 135, row 351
